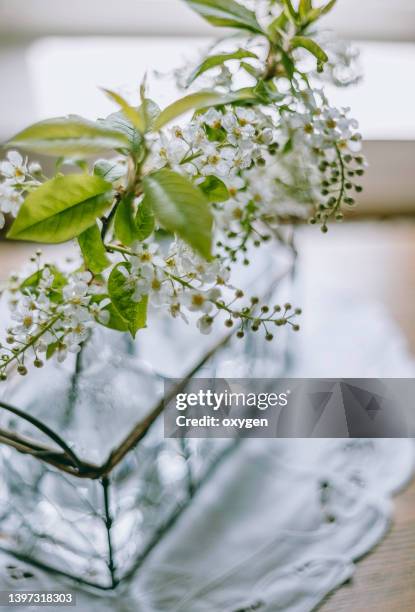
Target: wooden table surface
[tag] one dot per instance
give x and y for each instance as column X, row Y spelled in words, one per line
column 384, row 580
column 375, row 261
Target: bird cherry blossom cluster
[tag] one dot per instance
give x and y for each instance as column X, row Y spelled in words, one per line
column 162, row 219
column 53, row 312
column 330, row 144
column 17, row 177
column 237, row 146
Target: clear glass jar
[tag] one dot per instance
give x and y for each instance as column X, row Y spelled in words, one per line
column 96, row 484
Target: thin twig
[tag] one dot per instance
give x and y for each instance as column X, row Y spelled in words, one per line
column 108, row 524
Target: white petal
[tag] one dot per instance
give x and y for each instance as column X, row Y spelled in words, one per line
column 7, row 169
column 15, row 158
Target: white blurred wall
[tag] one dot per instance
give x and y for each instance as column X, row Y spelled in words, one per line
column 359, row 19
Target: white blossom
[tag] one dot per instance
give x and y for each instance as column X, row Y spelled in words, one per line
column 99, row 312
column 205, row 324
column 14, row 168
column 212, row 118
column 27, row 319
column 201, row 300
column 10, row 199
column 168, row 151
column 238, row 135
column 35, row 168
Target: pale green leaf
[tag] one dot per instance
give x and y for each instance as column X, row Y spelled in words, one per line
column 215, row 134
column 214, row 189
column 62, row 208
column 198, row 101
column 148, row 111
column 277, row 25
column 93, row 250
column 32, row 281
column 327, row 7
column 304, row 8
column 68, row 136
column 250, row 69
column 218, row 60
column 124, row 223
column 130, row 225
column 181, row 208
column 51, row 349
column 109, row 170
column 119, row 122
column 130, row 112
column 266, row 93
column 116, row 321
column 311, row 46
column 55, row 290
column 226, row 13
column 316, row 13
column 290, row 11
column 144, row 221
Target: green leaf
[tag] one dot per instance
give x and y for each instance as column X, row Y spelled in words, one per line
column 130, row 226
column 266, row 94
column 304, row 8
column 215, row 134
column 288, row 64
column 93, row 250
column 121, row 294
column 108, row 170
column 290, row 11
column 68, row 136
column 181, row 208
column 116, row 321
column 218, row 60
column 250, row 69
column 149, row 111
column 311, row 46
column 144, row 221
column 131, row 113
column 316, row 13
column 195, row 101
column 214, row 189
column 288, row 147
column 140, row 118
column 59, row 281
column 278, row 25
column 62, row 208
column 327, row 7
column 31, row 281
column 51, row 350
column 226, row 13
column 120, row 123
column 124, row 223
column 198, row 101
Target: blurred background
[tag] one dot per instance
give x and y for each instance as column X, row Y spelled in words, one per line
column 358, row 281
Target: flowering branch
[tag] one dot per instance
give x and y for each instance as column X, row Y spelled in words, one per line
column 163, row 221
